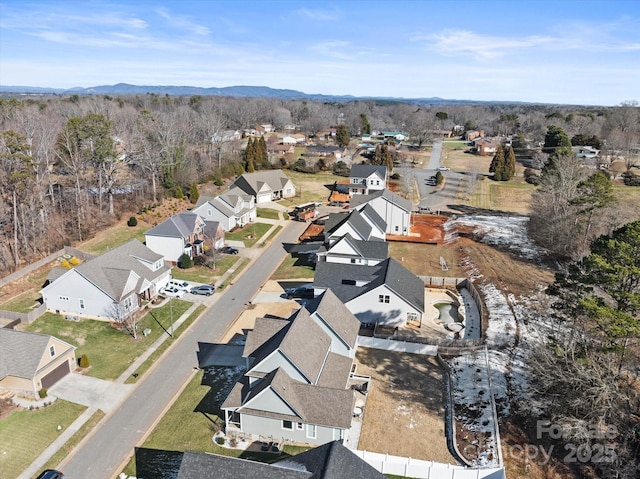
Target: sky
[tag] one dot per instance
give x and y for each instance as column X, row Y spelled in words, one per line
column 563, row 51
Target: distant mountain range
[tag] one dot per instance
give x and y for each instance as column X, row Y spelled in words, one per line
column 235, row 91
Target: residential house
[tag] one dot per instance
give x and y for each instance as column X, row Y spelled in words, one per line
column 262, row 130
column 585, row 151
column 288, row 140
column 485, row 147
column 30, row 362
column 266, row 185
column 396, row 135
column 296, row 388
column 226, row 135
column 387, row 293
column 365, row 226
column 213, row 234
column 364, row 179
column 181, row 234
column 328, row 461
column 110, row 286
column 324, row 151
column 353, row 251
column 231, row 209
column 392, row 208
column 473, row 134
column 276, row 149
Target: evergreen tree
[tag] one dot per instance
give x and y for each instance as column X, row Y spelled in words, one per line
column 194, row 194
column 250, row 156
column 377, row 155
column 387, row 159
column 497, row 166
column 555, row 138
column 366, row 127
column 263, row 154
column 509, row 165
column 342, row 136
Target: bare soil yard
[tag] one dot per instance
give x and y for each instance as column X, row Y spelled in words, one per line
column 404, row 413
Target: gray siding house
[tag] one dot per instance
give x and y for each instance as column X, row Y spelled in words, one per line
column 296, row 388
column 232, row 209
column 392, row 208
column 364, row 179
column 109, row 286
column 266, row 185
column 181, row 234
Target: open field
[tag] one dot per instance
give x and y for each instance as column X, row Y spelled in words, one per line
column 310, row 187
column 404, row 413
column 24, row 435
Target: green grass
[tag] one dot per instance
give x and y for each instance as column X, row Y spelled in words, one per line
column 204, row 274
column 270, row 237
column 117, row 236
column 23, row 303
column 195, row 416
column 144, row 367
column 24, row 435
column 268, row 213
column 294, row 267
column 250, row 233
column 110, row 350
column 59, row 456
column 239, row 266
column 454, row 144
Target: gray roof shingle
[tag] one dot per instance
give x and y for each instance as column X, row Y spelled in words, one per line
column 365, row 171
column 388, row 195
column 21, row 352
column 180, row 225
column 329, row 309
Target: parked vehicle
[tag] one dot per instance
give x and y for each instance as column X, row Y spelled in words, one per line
column 443, row 168
column 304, row 291
column 178, row 284
column 205, row 289
column 172, row 292
column 50, row 474
column 229, row 250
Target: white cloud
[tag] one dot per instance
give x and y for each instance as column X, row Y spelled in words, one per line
column 319, row 15
column 333, row 48
column 183, row 22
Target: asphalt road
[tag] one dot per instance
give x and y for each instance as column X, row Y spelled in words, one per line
column 102, row 454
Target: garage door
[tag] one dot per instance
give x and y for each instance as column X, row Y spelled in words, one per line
column 55, row 375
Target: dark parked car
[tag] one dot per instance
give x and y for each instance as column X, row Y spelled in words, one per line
column 229, row 250
column 304, row 291
column 50, row 474
column 205, row 289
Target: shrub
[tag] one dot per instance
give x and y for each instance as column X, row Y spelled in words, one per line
column 220, row 440
column 631, row 179
column 439, row 178
column 200, row 260
column 179, row 194
column 42, row 393
column 395, row 176
column 84, row 361
column 132, row 221
column 185, row 261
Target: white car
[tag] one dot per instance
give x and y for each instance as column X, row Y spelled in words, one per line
column 172, row 292
column 178, row 284
column 443, row 168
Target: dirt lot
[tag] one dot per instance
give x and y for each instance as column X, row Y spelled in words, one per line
column 404, row 413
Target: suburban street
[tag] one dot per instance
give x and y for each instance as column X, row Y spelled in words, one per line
column 105, row 450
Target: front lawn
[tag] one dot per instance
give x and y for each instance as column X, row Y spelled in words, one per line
column 294, row 267
column 268, row 213
column 24, row 435
column 23, row 303
column 249, row 234
column 204, row 274
column 110, row 350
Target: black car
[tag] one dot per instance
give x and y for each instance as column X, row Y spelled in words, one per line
column 304, row 291
column 229, row 250
column 50, row 474
column 205, row 289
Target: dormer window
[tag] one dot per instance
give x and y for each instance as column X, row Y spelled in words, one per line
column 52, row 351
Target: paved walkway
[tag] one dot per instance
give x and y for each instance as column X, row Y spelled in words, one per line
column 107, row 395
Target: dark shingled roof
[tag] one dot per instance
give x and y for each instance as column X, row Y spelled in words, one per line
column 178, row 226
column 354, row 218
column 332, row 461
column 349, row 281
column 202, row 465
column 371, row 249
column 364, row 171
column 266, row 180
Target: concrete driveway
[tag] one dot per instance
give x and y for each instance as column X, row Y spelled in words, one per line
column 90, row 392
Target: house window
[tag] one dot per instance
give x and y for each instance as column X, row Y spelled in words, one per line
column 52, row 351
column 311, row 431
column 412, row 316
column 338, row 434
column 81, row 301
column 299, row 426
column 64, row 298
column 287, row 425
column 383, row 298
column 353, row 260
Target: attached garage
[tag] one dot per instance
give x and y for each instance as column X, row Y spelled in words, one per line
column 31, row 361
column 56, row 375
